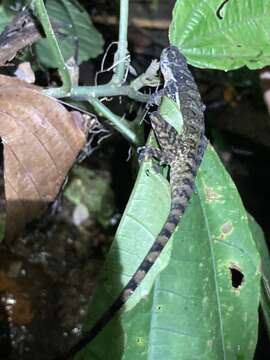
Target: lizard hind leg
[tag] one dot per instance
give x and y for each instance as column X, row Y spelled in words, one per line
column 166, row 135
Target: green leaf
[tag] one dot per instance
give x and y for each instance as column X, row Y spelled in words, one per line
column 77, row 31
column 171, row 113
column 193, row 311
column 265, row 269
column 240, row 38
column 6, row 15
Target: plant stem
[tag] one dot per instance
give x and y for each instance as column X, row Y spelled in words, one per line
column 119, row 74
column 83, row 92
column 41, row 12
column 118, row 123
column 90, row 93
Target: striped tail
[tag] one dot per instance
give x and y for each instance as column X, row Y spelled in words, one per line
column 181, row 189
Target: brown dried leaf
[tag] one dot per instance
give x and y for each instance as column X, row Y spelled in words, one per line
column 41, row 140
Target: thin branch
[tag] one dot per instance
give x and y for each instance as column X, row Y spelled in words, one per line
column 148, row 78
column 122, row 43
column 91, row 93
column 41, row 12
column 115, row 121
column 83, row 92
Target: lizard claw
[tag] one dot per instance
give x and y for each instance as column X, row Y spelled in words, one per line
column 141, row 151
column 153, row 99
column 149, row 103
column 140, row 148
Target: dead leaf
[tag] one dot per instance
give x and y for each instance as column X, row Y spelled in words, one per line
column 24, row 72
column 41, row 140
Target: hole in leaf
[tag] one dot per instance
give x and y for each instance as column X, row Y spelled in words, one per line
column 237, row 277
column 147, row 172
column 139, row 341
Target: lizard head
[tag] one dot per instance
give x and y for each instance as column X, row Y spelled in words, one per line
column 171, row 59
column 172, row 55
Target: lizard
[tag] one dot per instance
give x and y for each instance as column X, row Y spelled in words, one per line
column 183, row 153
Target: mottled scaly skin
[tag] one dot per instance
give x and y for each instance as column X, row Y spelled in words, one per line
column 182, row 152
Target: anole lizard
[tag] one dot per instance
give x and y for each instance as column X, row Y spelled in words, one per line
column 182, row 151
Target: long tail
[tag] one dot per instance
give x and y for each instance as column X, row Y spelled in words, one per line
column 181, row 189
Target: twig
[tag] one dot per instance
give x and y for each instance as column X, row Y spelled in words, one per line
column 122, row 44
column 83, row 92
column 102, row 70
column 41, row 12
column 148, row 78
column 115, row 121
column 90, row 93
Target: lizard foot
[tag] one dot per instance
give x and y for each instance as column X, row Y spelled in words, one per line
column 148, row 152
column 154, row 99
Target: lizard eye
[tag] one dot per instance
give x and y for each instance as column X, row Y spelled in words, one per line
column 173, row 56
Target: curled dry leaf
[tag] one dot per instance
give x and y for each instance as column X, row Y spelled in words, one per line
column 41, row 140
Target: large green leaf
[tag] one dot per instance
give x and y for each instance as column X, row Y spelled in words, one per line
column 265, row 269
column 240, row 38
column 140, row 224
column 194, row 310
column 78, row 31
column 6, row 14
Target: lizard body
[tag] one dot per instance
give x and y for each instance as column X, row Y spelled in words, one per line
column 183, row 152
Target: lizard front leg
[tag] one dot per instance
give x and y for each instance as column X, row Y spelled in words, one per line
column 150, row 152
column 169, row 90
column 155, row 98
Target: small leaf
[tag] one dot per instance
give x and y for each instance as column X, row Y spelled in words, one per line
column 78, row 33
column 41, row 140
column 171, row 113
column 222, row 35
